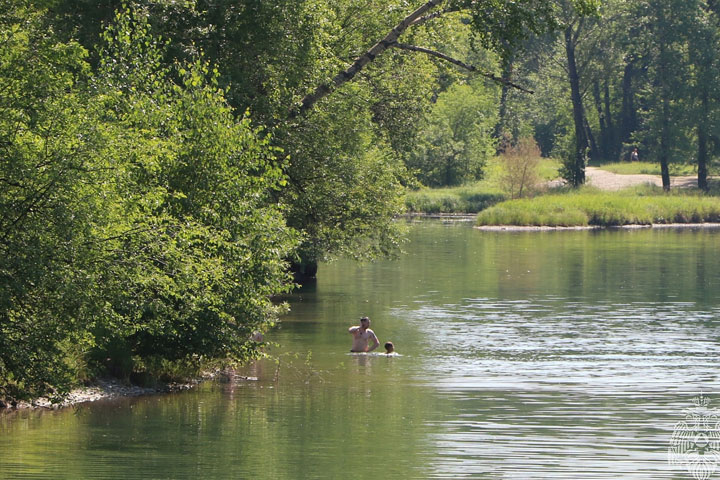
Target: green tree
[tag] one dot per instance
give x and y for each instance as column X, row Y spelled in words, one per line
column 456, row 140
column 667, row 26
column 138, row 224
column 201, row 243
column 703, row 45
column 48, row 140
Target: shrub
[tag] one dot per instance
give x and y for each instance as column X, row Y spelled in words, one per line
column 520, row 168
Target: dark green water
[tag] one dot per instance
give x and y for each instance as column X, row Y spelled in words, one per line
column 524, row 355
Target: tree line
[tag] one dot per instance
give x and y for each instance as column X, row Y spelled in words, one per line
column 637, row 74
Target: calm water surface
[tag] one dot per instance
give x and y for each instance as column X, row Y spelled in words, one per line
column 524, row 356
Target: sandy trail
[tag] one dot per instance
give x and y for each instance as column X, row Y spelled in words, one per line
column 605, row 180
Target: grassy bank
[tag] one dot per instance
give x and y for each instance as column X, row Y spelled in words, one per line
column 466, row 199
column 471, row 198
column 635, row 206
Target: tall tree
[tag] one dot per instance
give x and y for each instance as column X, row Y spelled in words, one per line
column 283, row 59
column 704, row 42
column 576, row 165
column 667, row 26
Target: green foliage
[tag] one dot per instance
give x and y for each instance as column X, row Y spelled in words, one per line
column 472, row 197
column 573, row 168
column 455, row 142
column 206, row 244
column 343, row 159
column 502, row 24
column 46, row 138
column 138, row 222
column 345, row 186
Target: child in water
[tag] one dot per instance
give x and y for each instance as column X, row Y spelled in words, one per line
column 390, row 349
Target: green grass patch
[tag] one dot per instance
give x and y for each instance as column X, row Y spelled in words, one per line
column 636, row 206
column 549, row 168
column 473, row 197
column 647, row 168
column 466, row 199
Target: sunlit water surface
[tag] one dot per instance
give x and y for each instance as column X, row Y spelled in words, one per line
column 523, row 355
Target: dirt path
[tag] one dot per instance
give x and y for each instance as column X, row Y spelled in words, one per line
column 605, row 180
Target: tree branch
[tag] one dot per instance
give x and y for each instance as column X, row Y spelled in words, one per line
column 454, row 61
column 376, row 50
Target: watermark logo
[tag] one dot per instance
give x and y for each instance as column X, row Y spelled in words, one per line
column 695, row 442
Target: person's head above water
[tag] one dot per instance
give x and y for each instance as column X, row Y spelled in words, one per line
column 365, row 323
column 389, row 347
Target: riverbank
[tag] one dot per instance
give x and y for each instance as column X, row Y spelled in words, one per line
column 474, row 198
column 104, row 389
column 112, row 388
column 591, row 208
column 543, row 228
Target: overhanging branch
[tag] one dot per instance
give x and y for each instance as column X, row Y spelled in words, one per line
column 459, row 63
column 377, row 49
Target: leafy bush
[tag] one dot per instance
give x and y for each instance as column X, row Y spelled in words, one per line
column 466, row 199
column 455, row 143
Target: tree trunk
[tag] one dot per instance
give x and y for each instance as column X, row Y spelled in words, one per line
column 612, row 134
column 628, row 117
column 594, row 149
column 703, row 140
column 580, row 137
column 664, row 141
column 604, row 143
column 663, row 81
column 501, row 125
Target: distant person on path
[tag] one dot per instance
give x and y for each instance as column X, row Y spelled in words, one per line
column 361, row 335
column 634, row 155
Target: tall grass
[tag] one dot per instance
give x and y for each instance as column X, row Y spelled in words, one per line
column 465, row 199
column 637, row 206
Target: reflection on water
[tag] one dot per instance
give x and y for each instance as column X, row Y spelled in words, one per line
column 566, row 355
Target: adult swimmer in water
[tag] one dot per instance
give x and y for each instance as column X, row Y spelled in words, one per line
column 362, row 335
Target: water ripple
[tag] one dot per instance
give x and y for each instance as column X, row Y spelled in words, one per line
column 547, row 388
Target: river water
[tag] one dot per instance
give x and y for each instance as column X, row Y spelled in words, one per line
column 532, row 355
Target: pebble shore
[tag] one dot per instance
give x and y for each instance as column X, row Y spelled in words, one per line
column 101, row 390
